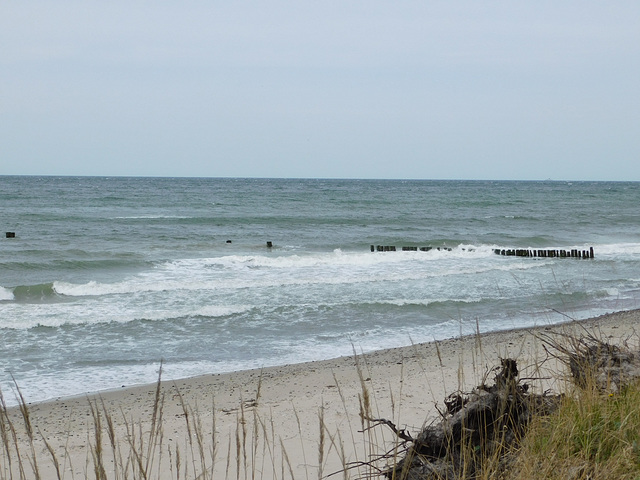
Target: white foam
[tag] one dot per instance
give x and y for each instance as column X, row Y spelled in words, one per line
column 615, row 249
column 78, row 290
column 6, row 294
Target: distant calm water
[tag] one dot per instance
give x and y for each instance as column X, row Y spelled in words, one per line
column 108, row 276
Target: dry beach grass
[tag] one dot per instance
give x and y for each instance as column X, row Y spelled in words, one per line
column 303, row 421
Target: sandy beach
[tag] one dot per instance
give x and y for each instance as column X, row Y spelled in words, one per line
column 300, row 421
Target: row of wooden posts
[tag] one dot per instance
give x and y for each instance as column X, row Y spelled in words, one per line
column 518, row 252
column 509, row 252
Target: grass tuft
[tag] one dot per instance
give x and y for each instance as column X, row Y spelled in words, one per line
column 593, row 435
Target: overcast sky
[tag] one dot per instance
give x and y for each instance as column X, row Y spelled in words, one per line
column 333, row 89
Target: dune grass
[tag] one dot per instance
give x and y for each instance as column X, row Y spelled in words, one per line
column 594, row 435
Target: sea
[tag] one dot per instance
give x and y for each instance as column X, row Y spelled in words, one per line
column 107, row 278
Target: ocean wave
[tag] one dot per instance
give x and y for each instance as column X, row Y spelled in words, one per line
column 89, row 289
column 53, row 316
column 133, row 285
column 425, row 302
column 42, row 293
column 219, row 311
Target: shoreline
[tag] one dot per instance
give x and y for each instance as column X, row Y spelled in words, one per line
column 286, row 405
column 149, row 385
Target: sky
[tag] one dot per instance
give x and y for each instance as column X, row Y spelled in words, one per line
column 463, row 89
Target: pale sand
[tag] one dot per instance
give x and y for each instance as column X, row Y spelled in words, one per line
column 404, row 384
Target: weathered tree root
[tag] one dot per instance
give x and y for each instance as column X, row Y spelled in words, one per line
column 477, row 426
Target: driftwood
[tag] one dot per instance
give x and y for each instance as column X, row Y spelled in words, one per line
column 476, row 426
